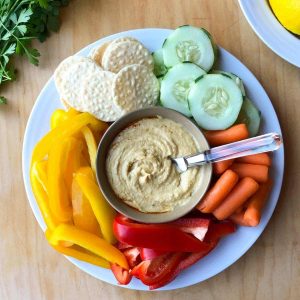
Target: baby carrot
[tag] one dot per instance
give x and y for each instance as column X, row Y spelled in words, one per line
column 238, row 218
column 214, row 197
column 256, row 204
column 230, row 135
column 244, row 189
column 258, row 172
column 256, row 159
column 221, row 166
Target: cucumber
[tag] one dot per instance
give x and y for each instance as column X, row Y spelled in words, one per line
column 234, row 77
column 188, row 43
column 176, row 84
column 250, row 116
column 215, row 101
column 159, row 67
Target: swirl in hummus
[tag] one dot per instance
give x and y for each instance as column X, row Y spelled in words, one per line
column 140, row 171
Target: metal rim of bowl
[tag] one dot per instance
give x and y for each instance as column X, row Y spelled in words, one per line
column 104, row 184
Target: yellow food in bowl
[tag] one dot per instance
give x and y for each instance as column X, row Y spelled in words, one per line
column 288, row 13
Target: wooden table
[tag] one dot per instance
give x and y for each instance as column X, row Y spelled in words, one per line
column 30, row 269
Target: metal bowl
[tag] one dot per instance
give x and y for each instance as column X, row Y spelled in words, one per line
column 112, row 198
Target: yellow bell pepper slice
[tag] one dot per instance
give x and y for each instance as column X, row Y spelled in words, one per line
column 80, row 255
column 83, row 215
column 58, row 117
column 73, row 162
column 42, row 197
column 88, row 241
column 91, row 145
column 41, row 172
column 71, row 112
column 66, row 129
column 104, row 213
column 59, row 197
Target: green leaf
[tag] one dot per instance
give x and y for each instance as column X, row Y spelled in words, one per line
column 32, row 55
column 43, row 3
column 13, row 18
column 3, row 100
column 25, row 15
column 10, row 50
column 22, row 29
column 6, row 36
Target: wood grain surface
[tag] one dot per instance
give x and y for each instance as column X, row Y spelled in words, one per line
column 30, row 269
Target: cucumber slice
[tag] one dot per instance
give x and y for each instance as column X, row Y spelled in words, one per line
column 234, row 77
column 159, row 67
column 250, row 116
column 188, row 43
column 215, row 101
column 176, row 85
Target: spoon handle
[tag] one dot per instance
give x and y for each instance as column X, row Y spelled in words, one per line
column 259, row 144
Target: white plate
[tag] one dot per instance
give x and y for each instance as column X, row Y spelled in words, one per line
column 229, row 249
column 262, row 20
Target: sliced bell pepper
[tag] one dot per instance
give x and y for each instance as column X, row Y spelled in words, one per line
column 59, row 196
column 122, row 275
column 218, row 230
column 147, row 253
column 71, row 112
column 164, row 237
column 42, row 197
column 67, row 128
column 104, row 213
column 73, row 162
column 196, row 226
column 133, row 256
column 83, row 215
column 91, row 145
column 83, row 256
column 57, row 117
column 41, row 172
column 88, row 241
column 153, row 271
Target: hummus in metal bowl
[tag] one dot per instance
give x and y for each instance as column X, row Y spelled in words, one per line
column 140, row 171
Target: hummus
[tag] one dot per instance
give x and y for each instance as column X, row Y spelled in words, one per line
column 140, row 171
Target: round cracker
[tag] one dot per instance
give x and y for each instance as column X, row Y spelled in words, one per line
column 69, row 78
column 125, row 39
column 96, row 54
column 96, row 93
column 135, row 87
column 121, row 54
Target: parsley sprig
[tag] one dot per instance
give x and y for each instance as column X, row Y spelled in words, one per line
column 22, row 21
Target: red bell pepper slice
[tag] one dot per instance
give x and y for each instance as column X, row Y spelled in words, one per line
column 153, row 271
column 122, row 275
column 218, row 230
column 196, row 226
column 133, row 256
column 187, row 261
column 164, row 237
column 147, row 253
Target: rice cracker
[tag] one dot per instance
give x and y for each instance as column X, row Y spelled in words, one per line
column 69, row 76
column 96, row 93
column 135, row 87
column 121, row 54
column 96, row 53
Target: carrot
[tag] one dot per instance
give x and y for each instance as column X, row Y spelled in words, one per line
column 258, row 172
column 243, row 190
column 221, row 166
column 214, row 197
column 238, row 218
column 230, row 135
column 256, row 204
column 256, row 159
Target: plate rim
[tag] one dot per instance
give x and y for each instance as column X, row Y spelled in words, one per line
column 40, row 220
column 266, row 35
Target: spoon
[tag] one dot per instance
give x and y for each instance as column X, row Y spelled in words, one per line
column 259, row 144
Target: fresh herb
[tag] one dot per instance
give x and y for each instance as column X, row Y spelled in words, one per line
column 22, row 21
